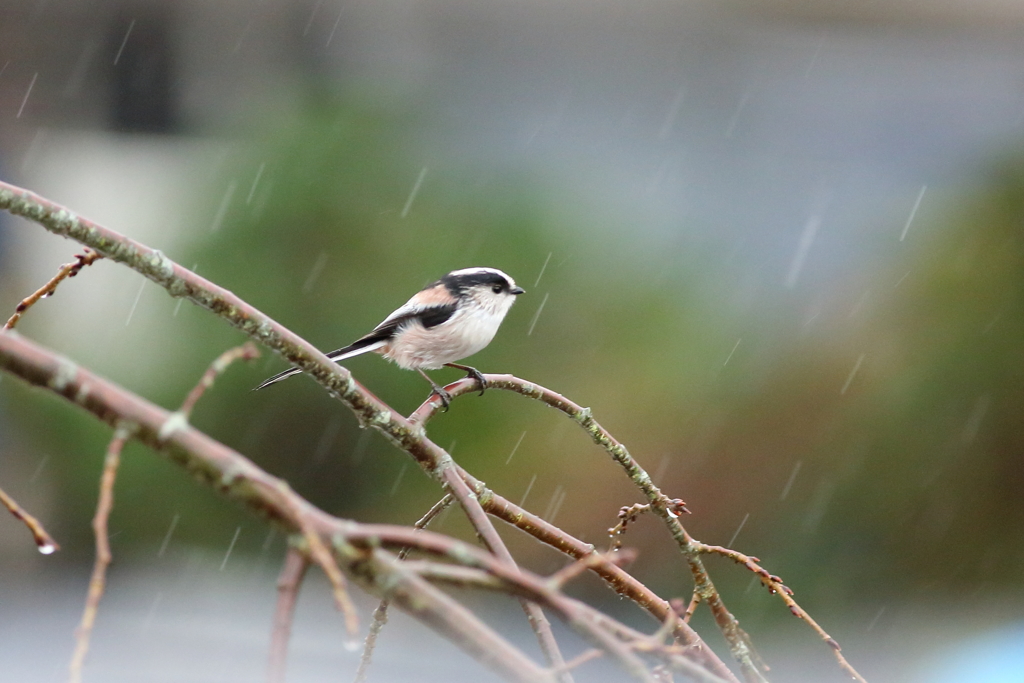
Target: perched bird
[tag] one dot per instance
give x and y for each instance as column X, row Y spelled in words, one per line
column 445, row 321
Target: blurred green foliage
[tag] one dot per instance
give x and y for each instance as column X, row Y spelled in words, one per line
column 909, row 479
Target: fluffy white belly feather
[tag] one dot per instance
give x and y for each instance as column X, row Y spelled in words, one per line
column 462, row 335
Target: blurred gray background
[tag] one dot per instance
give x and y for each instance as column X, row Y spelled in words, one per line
column 776, row 246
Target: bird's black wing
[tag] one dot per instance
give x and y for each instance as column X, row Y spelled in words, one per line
column 431, row 316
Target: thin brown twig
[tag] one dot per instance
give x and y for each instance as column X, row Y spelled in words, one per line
column 775, row 586
column 246, row 351
column 692, row 607
column 97, row 583
column 67, row 270
column 323, row 558
column 587, row 563
column 44, row 541
column 288, row 583
column 630, row 513
column 380, row 615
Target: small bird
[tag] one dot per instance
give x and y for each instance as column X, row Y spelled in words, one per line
column 445, row 321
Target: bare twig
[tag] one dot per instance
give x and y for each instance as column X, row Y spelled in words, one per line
column 776, row 587
column 43, row 540
column 97, row 583
column 629, row 514
column 692, row 607
column 319, row 553
column 380, row 615
column 66, row 270
column 588, row 562
column 246, row 351
column 288, row 584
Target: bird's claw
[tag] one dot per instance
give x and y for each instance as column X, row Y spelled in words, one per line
column 446, row 398
column 475, row 374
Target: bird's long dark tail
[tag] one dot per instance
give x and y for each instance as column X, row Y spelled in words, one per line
column 353, row 349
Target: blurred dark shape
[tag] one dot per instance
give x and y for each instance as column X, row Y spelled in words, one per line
column 143, row 98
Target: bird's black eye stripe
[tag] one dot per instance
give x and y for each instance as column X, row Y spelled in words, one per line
column 457, row 284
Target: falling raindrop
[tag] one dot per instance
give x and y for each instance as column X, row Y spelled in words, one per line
column 792, row 478
column 398, row 480
column 536, row 316
column 255, row 183
column 335, row 27
column 659, row 474
column 225, row 202
column 550, row 509
column 814, row 57
column 352, row 644
column 529, row 486
column 543, row 268
column 673, row 112
column 877, row 617
column 729, row 357
column 913, row 212
column 318, row 268
column 327, row 439
column 74, row 84
column 39, row 469
column 312, row 15
column 361, row 445
column 124, row 42
column 804, row 246
column 738, row 530
column 27, row 93
column 414, row 192
column 167, row 536
column 853, row 373
column 231, row 547
column 136, row 303
column 516, row 447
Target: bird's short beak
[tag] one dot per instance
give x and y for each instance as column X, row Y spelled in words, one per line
column 517, row 291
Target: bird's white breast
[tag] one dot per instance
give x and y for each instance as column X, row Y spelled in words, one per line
column 468, row 331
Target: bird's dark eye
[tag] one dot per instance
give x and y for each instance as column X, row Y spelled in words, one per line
column 496, row 289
